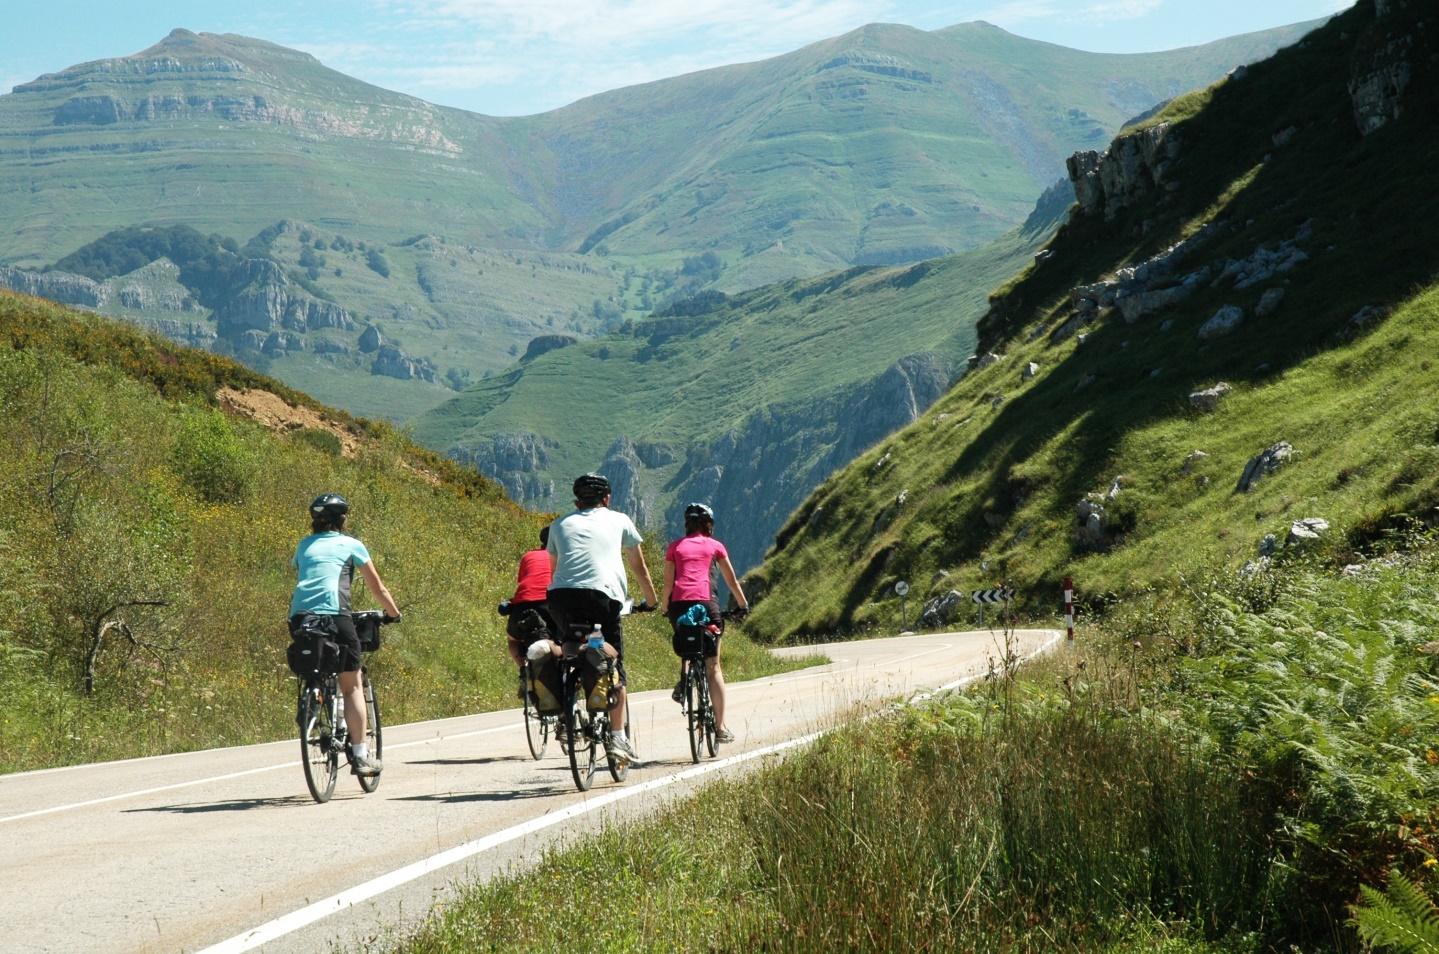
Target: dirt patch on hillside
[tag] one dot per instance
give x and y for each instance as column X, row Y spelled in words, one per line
column 280, row 416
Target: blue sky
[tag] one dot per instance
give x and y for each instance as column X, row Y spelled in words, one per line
column 514, row 57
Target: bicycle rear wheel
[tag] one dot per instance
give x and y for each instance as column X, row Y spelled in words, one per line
column 584, row 746
column 317, row 746
column 694, row 710
column 707, row 707
column 372, row 734
column 620, row 768
column 537, row 730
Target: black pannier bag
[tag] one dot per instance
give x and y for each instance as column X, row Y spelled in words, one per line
column 313, row 650
column 694, row 641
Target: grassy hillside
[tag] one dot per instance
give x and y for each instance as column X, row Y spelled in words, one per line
column 147, row 522
column 746, row 401
column 985, row 487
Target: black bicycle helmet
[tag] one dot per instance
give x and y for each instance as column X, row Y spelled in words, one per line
column 329, row 505
column 699, row 510
column 591, row 487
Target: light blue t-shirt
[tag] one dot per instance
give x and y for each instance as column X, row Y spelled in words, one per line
column 588, row 546
column 326, row 565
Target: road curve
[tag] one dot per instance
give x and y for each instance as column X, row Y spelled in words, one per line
column 224, row 850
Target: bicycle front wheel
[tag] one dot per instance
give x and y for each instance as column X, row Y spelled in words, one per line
column 694, row 710
column 317, row 744
column 584, row 746
column 372, row 734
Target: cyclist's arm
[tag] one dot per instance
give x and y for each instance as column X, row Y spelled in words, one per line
column 371, row 577
column 730, row 580
column 636, row 559
column 667, row 588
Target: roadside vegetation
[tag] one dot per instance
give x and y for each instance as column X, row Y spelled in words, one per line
column 1219, row 773
column 145, row 543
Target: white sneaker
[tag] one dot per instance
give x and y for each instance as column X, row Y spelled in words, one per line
column 621, row 749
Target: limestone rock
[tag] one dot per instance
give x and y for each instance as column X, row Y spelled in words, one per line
column 329, row 346
column 1193, row 458
column 1030, row 370
column 1209, row 398
column 394, row 363
column 1303, row 531
column 1269, row 303
column 1224, row 322
column 63, row 287
column 1264, row 464
column 1268, row 545
column 1133, row 165
column 987, row 360
column 940, row 610
column 280, row 342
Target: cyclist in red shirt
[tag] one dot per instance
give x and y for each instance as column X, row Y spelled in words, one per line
column 533, row 580
column 687, row 582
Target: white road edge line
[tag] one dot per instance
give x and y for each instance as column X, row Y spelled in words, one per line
column 345, row 899
column 224, row 778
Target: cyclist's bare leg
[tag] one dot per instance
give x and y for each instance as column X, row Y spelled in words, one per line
column 353, row 691
column 716, row 678
column 617, row 714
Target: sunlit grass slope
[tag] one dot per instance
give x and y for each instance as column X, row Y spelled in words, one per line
column 983, row 490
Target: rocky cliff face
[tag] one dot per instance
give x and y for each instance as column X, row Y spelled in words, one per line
column 514, row 460
column 265, row 300
column 1399, row 47
column 57, row 286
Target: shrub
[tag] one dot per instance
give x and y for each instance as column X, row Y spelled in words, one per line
column 212, row 460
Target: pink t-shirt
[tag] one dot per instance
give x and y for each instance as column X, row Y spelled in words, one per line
column 692, row 558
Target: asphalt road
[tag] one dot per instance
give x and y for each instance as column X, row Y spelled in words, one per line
column 223, row 850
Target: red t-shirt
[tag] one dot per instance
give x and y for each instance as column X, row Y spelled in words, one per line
column 534, row 577
column 692, row 558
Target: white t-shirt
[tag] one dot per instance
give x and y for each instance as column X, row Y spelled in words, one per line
column 589, row 550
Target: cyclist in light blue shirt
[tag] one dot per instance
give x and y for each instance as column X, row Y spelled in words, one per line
column 325, row 562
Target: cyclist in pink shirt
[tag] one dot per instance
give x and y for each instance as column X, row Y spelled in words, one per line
column 687, row 583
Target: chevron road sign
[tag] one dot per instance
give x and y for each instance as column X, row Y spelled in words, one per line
column 993, row 596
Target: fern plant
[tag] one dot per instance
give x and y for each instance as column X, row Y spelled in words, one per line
column 1401, row 919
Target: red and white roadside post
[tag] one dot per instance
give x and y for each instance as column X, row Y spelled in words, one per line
column 1069, row 613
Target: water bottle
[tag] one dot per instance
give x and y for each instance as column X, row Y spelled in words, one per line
column 597, row 637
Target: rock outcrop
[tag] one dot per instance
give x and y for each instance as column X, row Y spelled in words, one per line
column 394, row 363
column 265, row 300
column 1385, row 64
column 370, row 340
column 1209, row 398
column 1263, row 464
column 515, row 460
column 1133, row 166
column 63, row 287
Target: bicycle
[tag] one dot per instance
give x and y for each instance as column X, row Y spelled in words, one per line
column 695, row 690
column 585, row 731
column 320, row 715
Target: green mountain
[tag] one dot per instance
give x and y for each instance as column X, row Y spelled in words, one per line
column 1225, row 357
column 883, row 146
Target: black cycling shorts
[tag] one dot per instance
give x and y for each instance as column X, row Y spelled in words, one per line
column 585, row 608
column 686, row 638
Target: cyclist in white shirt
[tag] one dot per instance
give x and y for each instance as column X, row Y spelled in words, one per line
column 588, row 552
